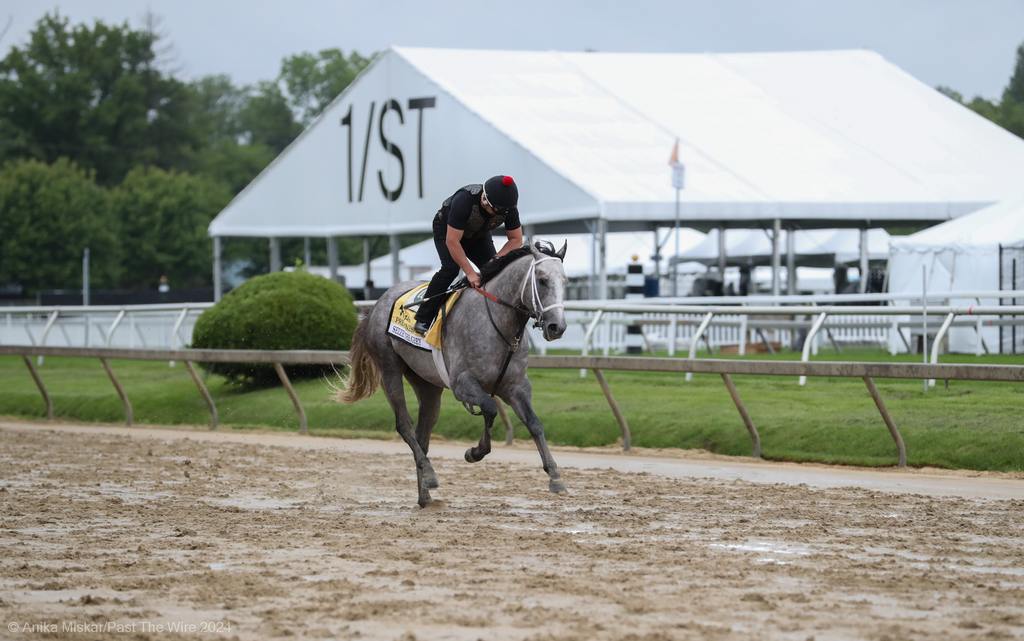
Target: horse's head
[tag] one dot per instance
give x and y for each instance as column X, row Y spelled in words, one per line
column 548, row 287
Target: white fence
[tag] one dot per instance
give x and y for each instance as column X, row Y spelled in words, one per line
column 770, row 322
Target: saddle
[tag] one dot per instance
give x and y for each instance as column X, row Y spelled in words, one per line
column 403, row 319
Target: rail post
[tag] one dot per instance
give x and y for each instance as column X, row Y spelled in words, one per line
column 619, row 417
column 39, row 384
column 303, row 428
column 46, row 331
column 588, row 337
column 696, row 339
column 214, row 419
column 893, row 430
column 938, row 341
column 128, row 414
column 755, row 438
column 806, row 355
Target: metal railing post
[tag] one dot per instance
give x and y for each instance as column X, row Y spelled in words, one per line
column 588, row 337
column 39, row 384
column 806, row 355
column 696, row 339
column 292, row 395
column 113, row 326
column 619, row 417
column 755, row 438
column 893, row 431
column 46, row 332
column 214, row 419
column 938, row 341
column 128, row 414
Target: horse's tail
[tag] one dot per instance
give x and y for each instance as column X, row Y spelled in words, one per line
column 364, row 375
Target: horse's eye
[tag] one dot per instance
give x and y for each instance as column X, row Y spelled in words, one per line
column 543, row 282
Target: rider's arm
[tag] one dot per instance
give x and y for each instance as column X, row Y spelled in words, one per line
column 515, row 240
column 453, row 241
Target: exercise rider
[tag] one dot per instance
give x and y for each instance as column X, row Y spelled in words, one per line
column 462, row 235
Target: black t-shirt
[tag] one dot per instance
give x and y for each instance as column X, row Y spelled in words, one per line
column 463, row 211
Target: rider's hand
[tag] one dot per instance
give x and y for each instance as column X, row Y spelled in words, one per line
column 474, row 279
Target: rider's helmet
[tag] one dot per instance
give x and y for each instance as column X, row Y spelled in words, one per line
column 502, row 193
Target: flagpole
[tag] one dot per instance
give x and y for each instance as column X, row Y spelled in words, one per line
column 675, row 266
column 678, row 177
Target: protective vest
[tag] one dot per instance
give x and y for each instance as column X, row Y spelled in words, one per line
column 479, row 222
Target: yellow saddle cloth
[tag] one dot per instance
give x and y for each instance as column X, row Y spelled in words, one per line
column 403, row 319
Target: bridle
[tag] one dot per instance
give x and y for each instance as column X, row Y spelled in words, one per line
column 534, row 309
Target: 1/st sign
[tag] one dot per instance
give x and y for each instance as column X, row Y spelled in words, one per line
column 389, row 109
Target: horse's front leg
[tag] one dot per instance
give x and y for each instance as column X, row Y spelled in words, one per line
column 468, row 390
column 520, row 401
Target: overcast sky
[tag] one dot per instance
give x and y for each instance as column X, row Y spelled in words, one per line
column 968, row 45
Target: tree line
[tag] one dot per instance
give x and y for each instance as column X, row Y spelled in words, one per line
column 102, row 146
column 1008, row 112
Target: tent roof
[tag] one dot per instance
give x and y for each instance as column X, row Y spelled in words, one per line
column 1002, row 223
column 826, row 138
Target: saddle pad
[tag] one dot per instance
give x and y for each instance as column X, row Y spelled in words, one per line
column 403, row 320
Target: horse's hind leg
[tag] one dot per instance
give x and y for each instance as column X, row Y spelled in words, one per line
column 519, row 399
column 425, row 478
column 429, row 397
column 468, row 390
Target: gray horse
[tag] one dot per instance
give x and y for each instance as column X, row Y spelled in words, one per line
column 481, row 335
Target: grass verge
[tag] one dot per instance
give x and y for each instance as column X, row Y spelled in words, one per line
column 969, row 425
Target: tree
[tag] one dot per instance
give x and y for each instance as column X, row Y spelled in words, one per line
column 1008, row 113
column 163, row 219
column 266, row 118
column 314, row 80
column 94, row 95
column 48, row 215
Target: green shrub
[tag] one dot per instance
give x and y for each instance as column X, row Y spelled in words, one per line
column 283, row 310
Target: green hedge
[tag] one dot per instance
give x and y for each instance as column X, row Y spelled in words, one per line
column 283, row 310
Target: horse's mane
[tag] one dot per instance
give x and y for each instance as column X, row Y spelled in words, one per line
column 496, row 265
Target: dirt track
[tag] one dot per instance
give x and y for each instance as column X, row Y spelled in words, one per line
column 102, row 529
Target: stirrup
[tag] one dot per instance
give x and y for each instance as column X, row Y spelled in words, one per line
column 421, row 327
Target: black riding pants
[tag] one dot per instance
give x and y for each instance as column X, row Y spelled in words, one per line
column 478, row 250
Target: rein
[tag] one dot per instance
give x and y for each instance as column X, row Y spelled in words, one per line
column 520, row 307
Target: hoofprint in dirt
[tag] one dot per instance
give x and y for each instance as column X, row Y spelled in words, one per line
column 119, row 535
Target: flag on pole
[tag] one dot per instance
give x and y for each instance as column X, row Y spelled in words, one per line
column 678, row 171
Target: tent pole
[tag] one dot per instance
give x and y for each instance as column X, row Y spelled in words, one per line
column 776, row 232
column 275, row 254
column 722, row 259
column 367, row 290
column 307, row 252
column 602, row 251
column 396, row 246
column 656, row 257
column 592, row 227
column 863, row 287
column 218, row 290
column 332, row 258
column 790, row 261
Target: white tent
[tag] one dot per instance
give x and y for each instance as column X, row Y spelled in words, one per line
column 960, row 255
column 825, row 139
column 820, row 247
column 419, row 261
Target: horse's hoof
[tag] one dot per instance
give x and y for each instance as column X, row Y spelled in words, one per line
column 430, row 481
column 470, row 458
column 557, row 487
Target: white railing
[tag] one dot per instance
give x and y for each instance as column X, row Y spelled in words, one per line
column 669, row 324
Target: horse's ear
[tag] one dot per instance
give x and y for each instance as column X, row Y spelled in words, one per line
column 561, row 252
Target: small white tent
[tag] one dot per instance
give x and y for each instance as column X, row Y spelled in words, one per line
column 958, row 256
